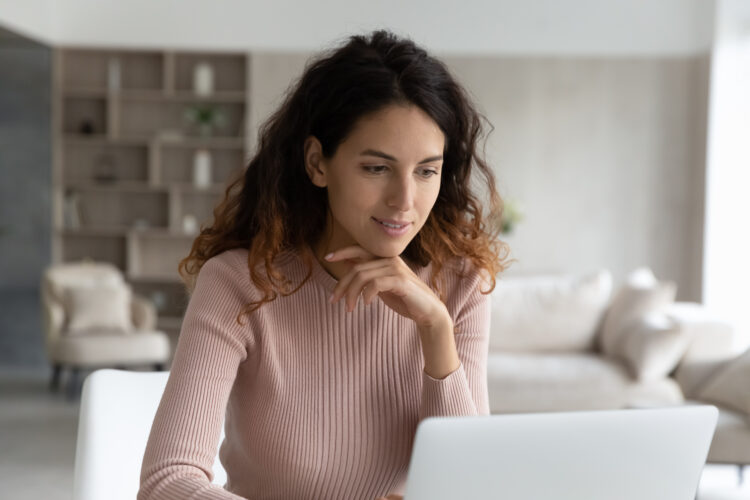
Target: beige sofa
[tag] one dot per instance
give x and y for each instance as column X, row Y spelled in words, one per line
column 567, row 343
column 115, row 328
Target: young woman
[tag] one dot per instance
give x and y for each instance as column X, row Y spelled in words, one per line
column 336, row 299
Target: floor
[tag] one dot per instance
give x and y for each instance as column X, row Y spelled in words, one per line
column 38, row 436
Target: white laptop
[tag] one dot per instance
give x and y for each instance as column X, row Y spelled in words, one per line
column 644, row 454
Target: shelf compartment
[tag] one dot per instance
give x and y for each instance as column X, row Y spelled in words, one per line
column 230, row 70
column 84, row 69
column 80, row 112
column 100, row 162
column 199, row 204
column 155, row 257
column 139, row 118
column 87, row 70
column 108, row 207
column 170, row 299
column 97, row 248
column 177, row 164
column 181, row 96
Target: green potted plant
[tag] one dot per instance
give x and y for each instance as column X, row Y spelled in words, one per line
column 510, row 218
column 206, row 117
column 512, row 215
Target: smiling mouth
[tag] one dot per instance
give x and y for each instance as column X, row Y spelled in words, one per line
column 393, row 226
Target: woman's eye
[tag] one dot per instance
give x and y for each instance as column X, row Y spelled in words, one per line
column 375, row 169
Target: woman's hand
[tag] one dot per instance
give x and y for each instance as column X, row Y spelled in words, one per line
column 393, row 281
column 404, row 292
column 391, row 497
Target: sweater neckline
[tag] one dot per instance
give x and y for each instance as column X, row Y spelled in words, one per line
column 319, row 273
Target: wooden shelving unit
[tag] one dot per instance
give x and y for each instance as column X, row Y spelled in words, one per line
column 124, row 150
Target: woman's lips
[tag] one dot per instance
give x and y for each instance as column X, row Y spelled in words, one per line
column 393, row 231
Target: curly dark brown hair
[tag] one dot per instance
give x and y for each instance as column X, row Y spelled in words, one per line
column 273, row 206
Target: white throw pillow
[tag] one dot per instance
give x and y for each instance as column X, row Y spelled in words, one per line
column 730, row 385
column 653, row 346
column 548, row 313
column 98, row 309
column 640, row 295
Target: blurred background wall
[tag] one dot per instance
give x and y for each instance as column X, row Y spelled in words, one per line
column 25, row 218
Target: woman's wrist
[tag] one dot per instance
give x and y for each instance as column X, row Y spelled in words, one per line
column 439, row 347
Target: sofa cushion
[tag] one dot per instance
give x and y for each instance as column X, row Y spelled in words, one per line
column 520, row 383
column 548, row 313
column 729, row 385
column 91, row 309
column 731, row 442
column 653, row 346
column 637, row 297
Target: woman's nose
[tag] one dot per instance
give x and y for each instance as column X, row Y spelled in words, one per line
column 401, row 194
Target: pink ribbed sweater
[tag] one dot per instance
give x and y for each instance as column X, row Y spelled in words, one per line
column 317, row 402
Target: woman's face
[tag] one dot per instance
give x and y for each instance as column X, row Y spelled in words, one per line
column 387, row 169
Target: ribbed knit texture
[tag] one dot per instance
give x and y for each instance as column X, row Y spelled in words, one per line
column 317, row 402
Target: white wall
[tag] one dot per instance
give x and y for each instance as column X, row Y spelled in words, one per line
column 30, row 18
column 605, row 156
column 615, row 27
column 726, row 265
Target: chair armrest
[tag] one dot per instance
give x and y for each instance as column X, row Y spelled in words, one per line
column 53, row 316
column 143, row 313
column 713, row 341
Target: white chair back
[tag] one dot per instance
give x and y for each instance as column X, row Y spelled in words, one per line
column 117, row 410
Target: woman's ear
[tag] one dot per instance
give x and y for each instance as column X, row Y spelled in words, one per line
column 314, row 161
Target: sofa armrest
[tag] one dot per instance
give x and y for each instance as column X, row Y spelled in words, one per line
column 713, row 341
column 143, row 313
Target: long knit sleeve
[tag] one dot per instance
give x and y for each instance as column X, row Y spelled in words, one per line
column 178, row 460
column 464, row 391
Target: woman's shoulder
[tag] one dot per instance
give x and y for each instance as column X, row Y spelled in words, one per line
column 228, row 260
column 225, row 269
column 233, row 266
column 462, row 276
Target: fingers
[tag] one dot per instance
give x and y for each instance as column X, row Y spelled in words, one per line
column 377, row 285
column 353, row 284
column 366, row 278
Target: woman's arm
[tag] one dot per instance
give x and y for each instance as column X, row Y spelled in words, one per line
column 458, row 389
column 184, row 437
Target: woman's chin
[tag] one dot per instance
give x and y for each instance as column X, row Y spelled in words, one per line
column 386, row 249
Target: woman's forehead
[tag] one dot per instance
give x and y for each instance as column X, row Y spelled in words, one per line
column 404, row 133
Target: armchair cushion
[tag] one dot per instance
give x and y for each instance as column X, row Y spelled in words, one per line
column 103, row 349
column 92, row 309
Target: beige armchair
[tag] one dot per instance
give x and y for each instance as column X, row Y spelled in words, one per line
column 141, row 346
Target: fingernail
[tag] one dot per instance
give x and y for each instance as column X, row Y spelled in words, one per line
column 328, row 256
column 330, row 299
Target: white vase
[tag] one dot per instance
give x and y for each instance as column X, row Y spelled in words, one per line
column 203, row 79
column 189, row 224
column 113, row 74
column 202, row 168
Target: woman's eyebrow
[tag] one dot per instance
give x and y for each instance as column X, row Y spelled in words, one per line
column 380, row 154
